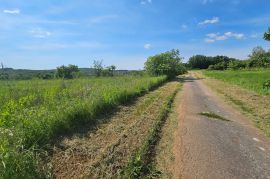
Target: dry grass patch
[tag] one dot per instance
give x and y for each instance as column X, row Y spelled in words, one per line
column 106, row 151
column 164, row 158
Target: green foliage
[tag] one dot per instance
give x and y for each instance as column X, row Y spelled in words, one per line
column 267, row 34
column 249, row 79
column 204, row 62
column 67, row 72
column 109, row 71
column 45, row 76
column 236, row 65
column 259, row 58
column 4, row 76
column 34, row 112
column 266, row 85
column 219, row 66
column 168, row 63
column 98, row 68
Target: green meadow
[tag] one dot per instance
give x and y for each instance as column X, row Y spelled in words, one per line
column 253, row 80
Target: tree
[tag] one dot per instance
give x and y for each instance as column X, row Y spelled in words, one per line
column 267, row 34
column 199, row 62
column 111, row 69
column 257, row 51
column 204, row 62
column 98, row 68
column 67, row 72
column 168, row 63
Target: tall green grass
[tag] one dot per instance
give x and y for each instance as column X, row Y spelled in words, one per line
column 33, row 113
column 249, row 79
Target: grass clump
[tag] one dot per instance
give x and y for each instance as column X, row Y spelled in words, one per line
column 213, row 115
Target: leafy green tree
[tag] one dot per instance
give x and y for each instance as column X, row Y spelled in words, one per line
column 168, row 63
column 98, row 67
column 259, row 58
column 108, row 71
column 237, row 64
column 267, row 34
column 204, row 62
column 199, row 62
column 67, row 72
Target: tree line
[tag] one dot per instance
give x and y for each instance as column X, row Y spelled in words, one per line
column 259, row 58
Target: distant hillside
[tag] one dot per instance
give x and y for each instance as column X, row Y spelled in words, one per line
column 24, row 74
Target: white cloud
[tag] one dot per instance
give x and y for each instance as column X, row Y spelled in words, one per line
column 214, row 20
column 210, row 38
column 40, row 33
column 184, row 27
column 12, row 11
column 235, row 35
column 147, row 46
column 207, row 1
column 146, row 2
column 100, row 19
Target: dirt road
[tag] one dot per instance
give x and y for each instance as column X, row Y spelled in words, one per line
column 212, row 148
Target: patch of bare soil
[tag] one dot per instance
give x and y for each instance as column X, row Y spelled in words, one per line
column 106, row 151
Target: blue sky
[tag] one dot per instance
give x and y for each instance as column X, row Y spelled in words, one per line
column 39, row 34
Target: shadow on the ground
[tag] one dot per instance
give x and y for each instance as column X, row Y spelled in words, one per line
column 185, row 79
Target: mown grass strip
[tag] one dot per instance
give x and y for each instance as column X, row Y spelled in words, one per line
column 141, row 165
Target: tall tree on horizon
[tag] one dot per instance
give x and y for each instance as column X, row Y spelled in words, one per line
column 267, row 34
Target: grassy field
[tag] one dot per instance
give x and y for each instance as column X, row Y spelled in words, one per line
column 251, row 80
column 33, row 113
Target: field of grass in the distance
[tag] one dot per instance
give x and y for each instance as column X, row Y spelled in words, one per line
column 249, row 79
column 33, row 113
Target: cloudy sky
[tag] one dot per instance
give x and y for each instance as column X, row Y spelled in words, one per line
column 38, row 34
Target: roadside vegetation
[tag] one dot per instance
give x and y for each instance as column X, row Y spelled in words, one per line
column 254, row 80
column 34, row 113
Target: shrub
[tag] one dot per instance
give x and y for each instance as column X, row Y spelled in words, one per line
column 266, row 85
column 168, row 63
